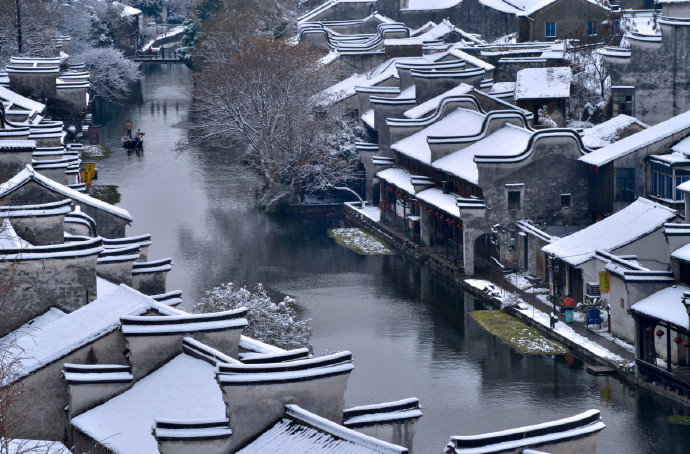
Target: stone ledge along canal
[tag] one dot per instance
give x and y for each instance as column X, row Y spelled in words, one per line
column 409, row 330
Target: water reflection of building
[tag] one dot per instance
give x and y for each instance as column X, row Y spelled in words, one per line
column 657, row 67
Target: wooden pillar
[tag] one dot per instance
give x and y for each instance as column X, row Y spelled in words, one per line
column 668, row 348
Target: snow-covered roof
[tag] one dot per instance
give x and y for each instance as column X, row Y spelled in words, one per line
column 666, row 305
column 543, row 83
column 682, row 253
column 127, row 10
column 527, row 7
column 398, row 177
column 346, row 88
column 64, row 334
column 609, row 131
column 17, row 144
column 639, row 140
column 432, row 104
column 183, row 389
column 671, row 158
column 478, row 62
column 16, row 99
column 428, row 5
column 681, row 147
column 685, row 187
column 629, row 224
column 444, row 202
column 28, row 174
column 301, row 431
column 431, row 31
column 460, row 122
column 508, row 141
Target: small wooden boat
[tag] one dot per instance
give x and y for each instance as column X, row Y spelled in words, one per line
column 131, row 143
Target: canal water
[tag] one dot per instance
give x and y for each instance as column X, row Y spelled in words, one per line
column 409, row 330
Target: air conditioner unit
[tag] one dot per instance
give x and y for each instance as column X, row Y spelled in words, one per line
column 593, row 289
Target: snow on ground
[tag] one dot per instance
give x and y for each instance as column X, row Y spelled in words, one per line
column 612, row 338
column 567, row 332
column 372, row 212
column 359, row 241
column 543, row 318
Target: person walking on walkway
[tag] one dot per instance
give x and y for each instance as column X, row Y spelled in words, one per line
column 569, row 306
column 162, row 52
column 128, row 128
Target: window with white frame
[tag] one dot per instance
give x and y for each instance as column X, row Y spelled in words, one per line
column 550, row 30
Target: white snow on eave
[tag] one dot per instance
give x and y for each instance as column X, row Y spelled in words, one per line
column 478, row 62
column 609, row 131
column 21, row 101
column 346, row 88
column 430, row 5
column 682, row 253
column 431, row 105
column 639, row 140
column 543, row 83
column 444, row 202
column 301, row 431
column 256, row 346
column 29, row 173
column 398, row 177
column 631, row 223
column 666, row 305
column 184, row 388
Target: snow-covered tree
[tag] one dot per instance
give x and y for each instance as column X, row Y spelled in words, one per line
column 273, row 112
column 25, row 28
column 112, row 75
column 270, row 322
column 149, row 7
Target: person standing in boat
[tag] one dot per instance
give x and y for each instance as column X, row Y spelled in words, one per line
column 128, row 128
column 137, row 135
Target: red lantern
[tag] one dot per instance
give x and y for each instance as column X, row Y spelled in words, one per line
column 659, row 333
column 686, row 344
column 596, row 170
column 416, row 203
column 591, row 168
column 677, row 340
column 649, row 330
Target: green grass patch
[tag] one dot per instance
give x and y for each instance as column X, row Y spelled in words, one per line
column 359, row 241
column 96, row 152
column 106, row 192
column 679, row 419
column 515, row 333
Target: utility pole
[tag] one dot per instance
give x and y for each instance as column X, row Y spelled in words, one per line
column 19, row 27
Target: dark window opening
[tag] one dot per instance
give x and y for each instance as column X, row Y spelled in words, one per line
column 565, row 200
column 592, row 28
column 625, row 184
column 513, row 200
